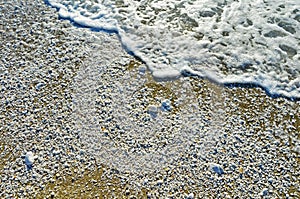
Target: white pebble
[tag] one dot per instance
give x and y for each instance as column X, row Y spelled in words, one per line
column 190, row 196
column 152, row 110
column 159, row 182
column 29, row 158
column 142, row 69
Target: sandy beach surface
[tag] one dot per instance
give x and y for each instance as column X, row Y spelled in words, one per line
column 81, row 118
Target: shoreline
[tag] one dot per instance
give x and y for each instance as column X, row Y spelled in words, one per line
column 252, row 138
column 238, row 73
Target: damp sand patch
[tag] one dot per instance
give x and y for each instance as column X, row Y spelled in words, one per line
column 95, row 182
column 128, row 121
column 225, row 120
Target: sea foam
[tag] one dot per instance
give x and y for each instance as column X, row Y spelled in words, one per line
column 255, row 42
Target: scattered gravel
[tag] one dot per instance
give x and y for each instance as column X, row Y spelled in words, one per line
column 75, row 110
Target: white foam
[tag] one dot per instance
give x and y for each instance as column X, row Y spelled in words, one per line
column 166, row 74
column 230, row 41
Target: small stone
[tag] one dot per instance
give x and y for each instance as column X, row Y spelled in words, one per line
column 56, row 166
column 166, row 105
column 270, row 180
column 29, row 159
column 152, row 110
column 145, row 181
column 66, row 165
column 216, row 168
column 142, row 69
column 52, row 195
column 264, row 192
column 159, row 182
column 34, row 175
column 39, row 86
column 81, row 152
column 190, row 196
column 56, row 152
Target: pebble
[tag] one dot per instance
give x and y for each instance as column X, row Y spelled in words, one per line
column 166, row 105
column 264, row 192
column 270, row 180
column 159, row 182
column 146, row 180
column 29, row 159
column 216, row 168
column 56, row 152
column 52, row 195
column 152, row 110
column 142, row 69
column 190, row 196
column 66, row 165
column 39, row 86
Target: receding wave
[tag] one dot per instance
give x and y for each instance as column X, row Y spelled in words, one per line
column 255, row 42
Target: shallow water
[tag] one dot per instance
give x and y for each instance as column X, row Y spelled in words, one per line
column 225, row 41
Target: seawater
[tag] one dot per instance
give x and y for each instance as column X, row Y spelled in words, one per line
column 227, row 41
